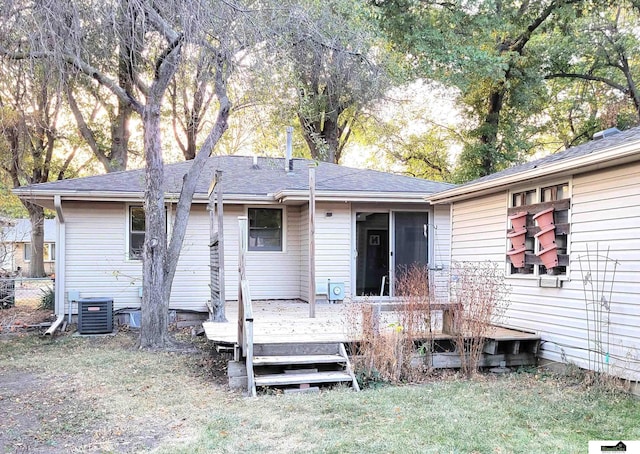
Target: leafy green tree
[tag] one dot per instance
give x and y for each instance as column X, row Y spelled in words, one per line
column 484, row 50
column 601, row 49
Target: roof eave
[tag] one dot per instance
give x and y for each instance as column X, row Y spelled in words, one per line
column 107, row 196
column 349, row 196
column 607, row 158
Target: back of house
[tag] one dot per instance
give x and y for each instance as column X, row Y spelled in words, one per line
column 566, row 231
column 368, row 225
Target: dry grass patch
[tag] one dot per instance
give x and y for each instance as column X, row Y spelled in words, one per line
column 101, row 394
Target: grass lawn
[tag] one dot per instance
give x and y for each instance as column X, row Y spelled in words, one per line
column 101, row 394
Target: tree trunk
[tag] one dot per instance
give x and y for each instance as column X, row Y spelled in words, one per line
column 120, row 138
column 36, row 216
column 489, row 131
column 323, row 139
column 155, row 301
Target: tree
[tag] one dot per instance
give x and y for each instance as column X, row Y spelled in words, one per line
column 483, row 50
column 165, row 32
column 329, row 51
column 30, row 105
column 603, row 49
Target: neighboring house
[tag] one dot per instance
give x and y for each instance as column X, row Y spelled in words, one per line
column 587, row 308
column 367, row 224
column 15, row 246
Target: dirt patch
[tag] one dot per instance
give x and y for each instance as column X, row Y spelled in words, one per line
column 24, row 318
column 100, row 393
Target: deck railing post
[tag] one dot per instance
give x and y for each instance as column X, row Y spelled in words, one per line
column 243, row 224
column 245, row 309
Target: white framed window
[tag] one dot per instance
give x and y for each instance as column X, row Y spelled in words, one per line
column 136, row 228
column 554, row 197
column 266, row 232
column 136, row 224
column 48, row 253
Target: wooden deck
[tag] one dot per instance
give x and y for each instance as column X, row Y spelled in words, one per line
column 284, row 322
column 288, row 322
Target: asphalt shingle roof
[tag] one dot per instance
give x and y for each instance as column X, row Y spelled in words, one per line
column 593, row 146
column 241, row 177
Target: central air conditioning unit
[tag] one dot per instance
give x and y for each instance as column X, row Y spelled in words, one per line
column 95, row 315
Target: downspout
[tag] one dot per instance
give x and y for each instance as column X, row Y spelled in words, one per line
column 60, row 267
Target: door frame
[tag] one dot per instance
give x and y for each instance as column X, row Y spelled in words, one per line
column 390, row 210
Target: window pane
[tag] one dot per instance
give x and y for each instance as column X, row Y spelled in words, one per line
column 27, row 252
column 136, row 242
column 49, row 252
column 137, row 219
column 523, row 198
column 265, row 229
column 557, row 192
column 136, row 232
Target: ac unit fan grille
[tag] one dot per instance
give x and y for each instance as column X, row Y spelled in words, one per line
column 95, row 315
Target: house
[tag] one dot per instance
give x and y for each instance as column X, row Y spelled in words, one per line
column 580, row 291
column 367, row 225
column 15, row 246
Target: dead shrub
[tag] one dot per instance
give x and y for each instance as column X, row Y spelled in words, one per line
column 480, row 297
column 389, row 340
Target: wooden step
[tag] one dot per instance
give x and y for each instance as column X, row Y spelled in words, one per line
column 296, row 349
column 296, row 379
column 297, row 359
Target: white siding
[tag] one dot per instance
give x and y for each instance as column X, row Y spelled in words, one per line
column 605, row 216
column 191, row 284
column 333, row 244
column 478, row 229
column 275, row 275
column 97, row 263
column 96, row 255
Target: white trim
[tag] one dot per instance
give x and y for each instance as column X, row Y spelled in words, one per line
column 285, row 222
column 351, row 196
column 283, row 196
column 607, row 157
column 538, row 188
column 60, row 254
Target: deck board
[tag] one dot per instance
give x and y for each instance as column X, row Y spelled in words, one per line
column 288, row 321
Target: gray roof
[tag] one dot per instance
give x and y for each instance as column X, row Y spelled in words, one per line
column 594, row 146
column 241, row 177
column 19, row 231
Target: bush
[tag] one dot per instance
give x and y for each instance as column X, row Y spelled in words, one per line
column 48, row 299
column 386, row 350
column 481, row 297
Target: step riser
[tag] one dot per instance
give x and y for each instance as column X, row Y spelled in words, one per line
column 295, row 360
column 298, row 379
column 296, row 349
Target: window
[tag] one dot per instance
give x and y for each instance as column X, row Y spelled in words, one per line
column 265, row 229
column 136, row 232
column 49, row 252
column 536, row 201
